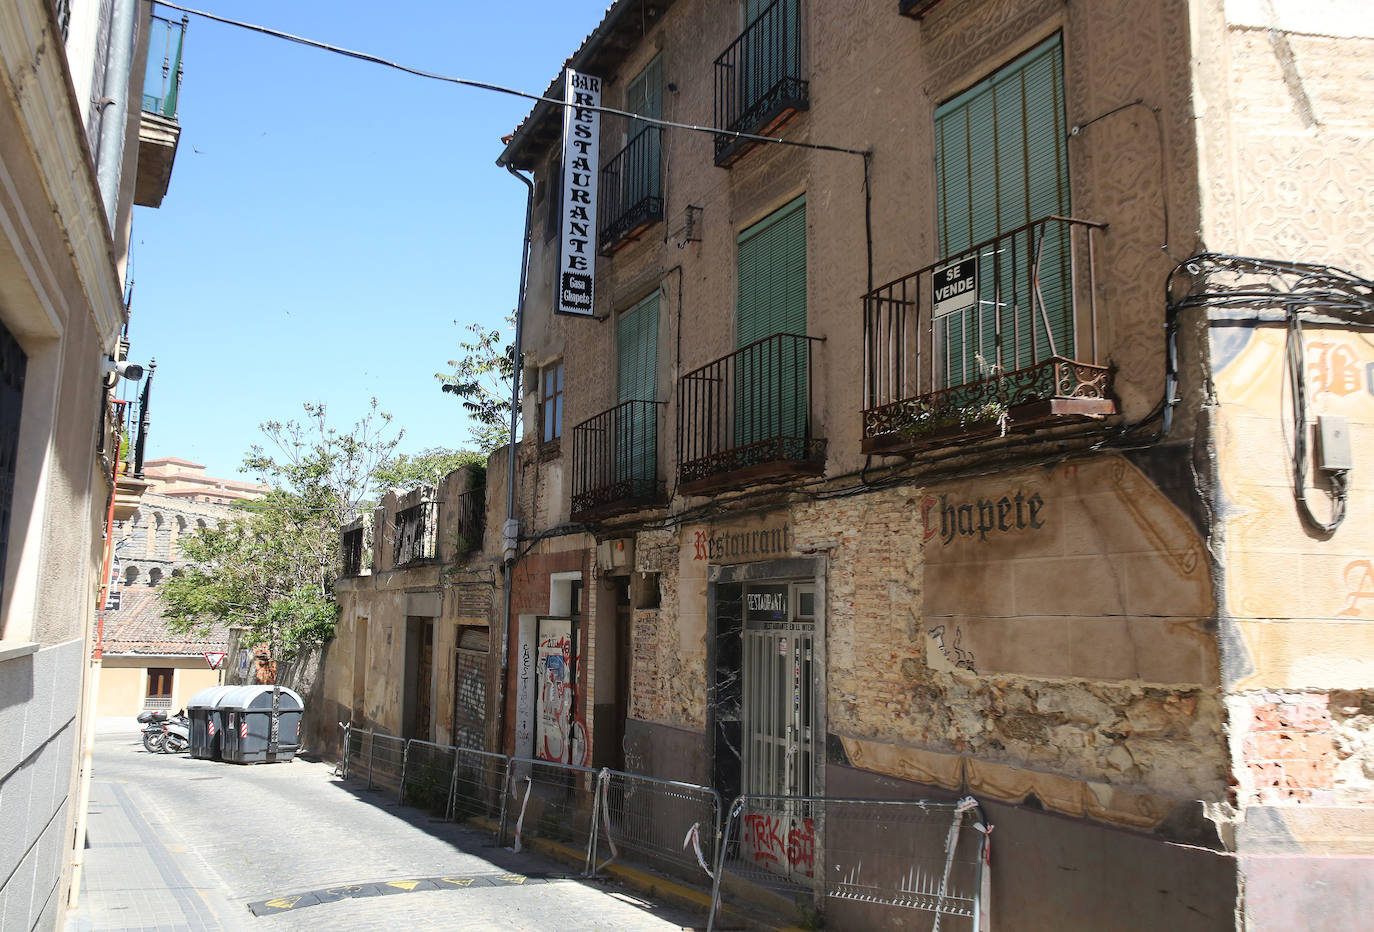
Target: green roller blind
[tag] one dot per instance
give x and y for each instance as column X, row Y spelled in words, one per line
column 771, row 379
column 636, row 437
column 1001, row 163
column 772, row 275
column 637, row 351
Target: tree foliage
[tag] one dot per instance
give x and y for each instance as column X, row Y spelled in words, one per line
column 271, row 567
column 427, row 467
column 482, row 379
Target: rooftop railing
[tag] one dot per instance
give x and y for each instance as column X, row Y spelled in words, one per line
column 759, row 78
column 1002, row 334
column 748, row 416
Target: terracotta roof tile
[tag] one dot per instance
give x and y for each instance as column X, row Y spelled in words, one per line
column 138, row 627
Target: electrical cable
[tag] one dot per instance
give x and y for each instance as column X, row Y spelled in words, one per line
column 1220, row 281
column 497, row 88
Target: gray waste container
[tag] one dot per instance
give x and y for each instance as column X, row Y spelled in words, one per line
column 247, row 715
column 207, row 723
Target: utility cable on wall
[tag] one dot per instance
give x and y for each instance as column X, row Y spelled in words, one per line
column 1298, row 290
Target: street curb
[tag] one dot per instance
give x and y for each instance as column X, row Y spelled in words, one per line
column 653, row 885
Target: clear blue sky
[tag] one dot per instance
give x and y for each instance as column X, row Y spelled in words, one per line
column 332, row 225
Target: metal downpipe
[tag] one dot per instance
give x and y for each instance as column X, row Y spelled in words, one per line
column 516, row 350
column 114, row 113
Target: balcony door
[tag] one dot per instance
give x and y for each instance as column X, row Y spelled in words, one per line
column 643, row 95
column 771, row 53
column 770, row 377
column 637, row 392
column 1001, row 163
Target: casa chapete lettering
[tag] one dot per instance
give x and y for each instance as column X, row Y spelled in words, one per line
column 1011, row 513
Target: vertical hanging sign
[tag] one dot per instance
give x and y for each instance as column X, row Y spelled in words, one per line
column 577, row 253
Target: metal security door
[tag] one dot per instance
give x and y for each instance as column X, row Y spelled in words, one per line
column 779, row 717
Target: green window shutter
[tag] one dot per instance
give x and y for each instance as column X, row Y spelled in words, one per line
column 771, row 295
column 637, row 351
column 636, row 440
column 771, row 380
column 1001, row 163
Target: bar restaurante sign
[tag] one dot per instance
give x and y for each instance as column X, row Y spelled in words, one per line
column 577, row 253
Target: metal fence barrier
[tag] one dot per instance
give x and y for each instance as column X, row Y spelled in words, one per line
column 427, row 776
column 873, row 854
column 478, row 785
column 385, row 762
column 859, row 859
column 549, row 800
column 671, row 825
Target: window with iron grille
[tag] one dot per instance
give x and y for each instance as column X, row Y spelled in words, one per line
column 1001, row 163
column 417, row 533
column 352, row 545
column 551, row 403
column 13, row 363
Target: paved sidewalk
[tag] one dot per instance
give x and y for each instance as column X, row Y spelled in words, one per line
column 176, row 843
column 133, row 878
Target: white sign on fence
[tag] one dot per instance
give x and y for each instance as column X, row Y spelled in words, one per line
column 954, row 287
column 577, row 253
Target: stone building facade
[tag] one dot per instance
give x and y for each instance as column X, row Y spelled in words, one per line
column 411, row 652
column 83, row 139
column 1034, row 538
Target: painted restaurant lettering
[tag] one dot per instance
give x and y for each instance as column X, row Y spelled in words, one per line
column 741, row 545
column 981, row 517
column 581, row 136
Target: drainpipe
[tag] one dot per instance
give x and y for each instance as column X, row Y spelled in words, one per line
column 114, row 113
column 511, row 531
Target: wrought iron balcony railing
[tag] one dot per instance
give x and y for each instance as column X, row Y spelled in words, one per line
column 417, row 534
column 748, row 416
column 631, row 199
column 759, row 79
column 615, row 461
column 1000, row 336
column 162, row 76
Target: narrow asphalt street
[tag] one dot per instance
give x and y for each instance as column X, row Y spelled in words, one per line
column 177, row 843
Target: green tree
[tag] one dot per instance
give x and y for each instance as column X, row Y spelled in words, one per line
column 482, row 379
column 271, row 567
column 427, row 467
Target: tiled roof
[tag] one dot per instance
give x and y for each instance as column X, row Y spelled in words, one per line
column 138, row 627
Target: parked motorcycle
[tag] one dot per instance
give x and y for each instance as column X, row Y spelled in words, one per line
column 165, row 736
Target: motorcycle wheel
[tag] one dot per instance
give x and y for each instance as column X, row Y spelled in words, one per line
column 174, row 744
column 152, row 741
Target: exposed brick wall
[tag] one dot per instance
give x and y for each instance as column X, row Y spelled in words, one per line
column 1288, row 748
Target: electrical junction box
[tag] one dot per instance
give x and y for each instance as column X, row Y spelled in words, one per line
column 616, row 556
column 1333, row 443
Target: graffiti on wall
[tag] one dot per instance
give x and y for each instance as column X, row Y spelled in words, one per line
column 559, row 736
column 955, row 654
column 1012, row 513
column 781, row 843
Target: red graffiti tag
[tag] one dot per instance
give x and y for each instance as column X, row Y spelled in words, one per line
column 763, row 837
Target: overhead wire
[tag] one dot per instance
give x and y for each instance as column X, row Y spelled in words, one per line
column 501, row 89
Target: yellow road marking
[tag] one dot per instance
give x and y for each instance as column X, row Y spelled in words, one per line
column 283, row 902
column 460, row 881
column 403, row 884
column 513, row 878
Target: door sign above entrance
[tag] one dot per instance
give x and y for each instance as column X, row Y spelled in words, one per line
column 760, row 540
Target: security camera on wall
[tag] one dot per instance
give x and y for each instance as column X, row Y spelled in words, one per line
column 122, row 370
